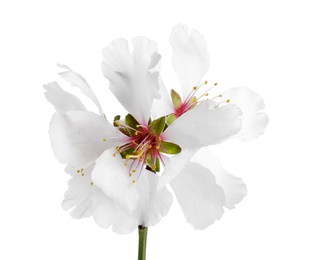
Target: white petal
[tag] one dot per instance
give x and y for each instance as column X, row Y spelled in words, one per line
column 204, row 125
column 112, row 176
column 78, row 81
column 62, row 100
column 89, row 200
column 153, row 203
column 130, row 76
column 163, row 106
column 200, row 198
column 79, row 195
column 174, row 165
column 77, row 137
column 251, row 104
column 234, row 188
column 190, row 58
column 110, row 213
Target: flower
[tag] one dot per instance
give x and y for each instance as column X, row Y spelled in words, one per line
column 120, row 170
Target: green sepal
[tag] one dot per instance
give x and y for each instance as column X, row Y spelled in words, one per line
column 176, row 99
column 169, row 148
column 132, row 122
column 154, row 166
column 157, row 126
column 116, row 118
column 170, row 119
column 127, row 152
column 157, row 165
column 149, row 160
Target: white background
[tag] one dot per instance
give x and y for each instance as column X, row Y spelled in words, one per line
column 264, row 45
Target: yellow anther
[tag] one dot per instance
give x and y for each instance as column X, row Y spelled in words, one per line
column 127, row 156
column 153, row 167
column 117, row 123
column 206, row 94
column 136, row 133
column 130, row 174
column 157, row 147
column 114, row 155
column 228, row 100
column 150, row 146
column 133, row 170
column 118, row 148
column 219, row 95
column 215, row 84
column 133, row 181
column 205, row 82
column 159, row 139
column 78, row 171
column 104, row 139
column 195, row 88
column 82, row 174
column 137, row 125
column 91, row 183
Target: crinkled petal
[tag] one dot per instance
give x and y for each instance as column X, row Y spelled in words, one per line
column 174, row 165
column 234, row 188
column 190, row 58
column 112, row 176
column 153, row 203
column 77, row 137
column 132, row 77
column 200, row 198
column 86, row 200
column 254, row 121
column 110, row 213
column 204, row 125
column 79, row 195
column 78, row 81
column 163, row 106
column 62, row 100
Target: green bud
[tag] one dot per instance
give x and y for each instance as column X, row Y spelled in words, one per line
column 176, row 99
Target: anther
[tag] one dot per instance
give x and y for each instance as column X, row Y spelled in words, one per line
column 205, row 82
column 91, row 183
column 215, row 84
column 150, row 146
column 133, row 181
column 195, row 88
column 228, row 100
column 104, row 139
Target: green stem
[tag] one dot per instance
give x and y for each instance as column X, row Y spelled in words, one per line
column 142, row 246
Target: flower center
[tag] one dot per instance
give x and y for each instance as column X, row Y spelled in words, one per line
column 193, row 99
column 144, row 145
